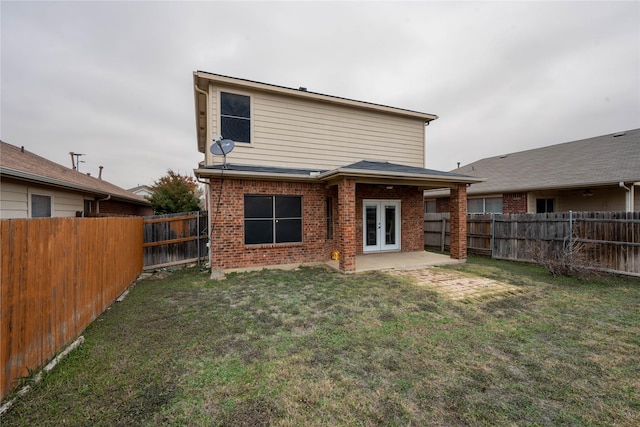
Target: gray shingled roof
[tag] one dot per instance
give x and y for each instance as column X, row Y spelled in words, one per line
column 400, row 169
column 364, row 165
column 603, row 160
column 24, row 165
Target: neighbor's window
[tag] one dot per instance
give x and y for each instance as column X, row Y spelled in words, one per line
column 40, row 206
column 272, row 219
column 544, row 205
column 235, row 117
column 485, row 205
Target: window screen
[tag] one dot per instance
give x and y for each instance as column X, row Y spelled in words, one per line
column 235, row 117
column 272, row 219
column 40, row 206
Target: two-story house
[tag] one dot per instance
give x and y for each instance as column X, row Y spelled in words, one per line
column 313, row 175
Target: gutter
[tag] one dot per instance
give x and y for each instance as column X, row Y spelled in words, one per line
column 38, row 179
column 630, row 196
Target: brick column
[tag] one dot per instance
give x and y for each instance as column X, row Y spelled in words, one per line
column 459, row 222
column 347, row 224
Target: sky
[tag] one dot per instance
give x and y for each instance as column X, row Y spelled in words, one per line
column 114, row 80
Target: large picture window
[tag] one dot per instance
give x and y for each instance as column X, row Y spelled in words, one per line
column 235, row 117
column 272, row 219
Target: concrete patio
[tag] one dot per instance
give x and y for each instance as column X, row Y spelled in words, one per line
column 398, row 261
column 369, row 262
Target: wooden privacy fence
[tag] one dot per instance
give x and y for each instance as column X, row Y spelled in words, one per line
column 174, row 239
column 58, row 275
column 608, row 241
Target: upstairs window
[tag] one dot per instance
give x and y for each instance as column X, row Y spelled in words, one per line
column 40, row 206
column 272, row 219
column 235, row 117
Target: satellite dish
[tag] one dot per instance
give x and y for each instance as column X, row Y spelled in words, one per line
column 222, row 147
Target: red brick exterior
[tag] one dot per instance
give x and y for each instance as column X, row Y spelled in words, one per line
column 459, row 222
column 227, row 240
column 514, row 203
column 227, row 230
column 118, row 208
column 411, row 211
column 347, row 224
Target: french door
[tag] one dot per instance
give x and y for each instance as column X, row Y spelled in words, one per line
column 381, row 225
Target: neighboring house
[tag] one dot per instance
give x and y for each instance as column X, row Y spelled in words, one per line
column 595, row 174
column 313, row 174
column 33, row 187
column 142, row 190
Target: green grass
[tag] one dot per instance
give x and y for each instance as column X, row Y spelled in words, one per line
column 315, row 347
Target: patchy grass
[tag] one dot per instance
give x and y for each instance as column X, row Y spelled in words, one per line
column 315, row 347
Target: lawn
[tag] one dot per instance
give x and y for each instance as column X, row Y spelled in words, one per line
column 316, row 347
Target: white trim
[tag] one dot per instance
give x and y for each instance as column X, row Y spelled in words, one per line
column 39, row 192
column 218, row 92
column 381, row 246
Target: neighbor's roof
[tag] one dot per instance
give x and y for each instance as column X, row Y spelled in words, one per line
column 363, row 171
column 603, row 160
column 26, row 166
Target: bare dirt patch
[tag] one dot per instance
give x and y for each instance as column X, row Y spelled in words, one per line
column 458, row 286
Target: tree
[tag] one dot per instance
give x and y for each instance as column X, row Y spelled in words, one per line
column 175, row 193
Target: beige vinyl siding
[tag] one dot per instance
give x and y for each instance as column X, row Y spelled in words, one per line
column 14, row 200
column 295, row 132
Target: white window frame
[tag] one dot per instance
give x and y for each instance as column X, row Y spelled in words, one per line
column 40, row 193
column 484, row 204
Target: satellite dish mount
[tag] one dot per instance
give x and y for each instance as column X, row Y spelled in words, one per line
column 222, row 147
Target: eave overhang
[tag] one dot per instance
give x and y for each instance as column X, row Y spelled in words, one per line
column 332, row 177
column 52, row 182
column 398, row 178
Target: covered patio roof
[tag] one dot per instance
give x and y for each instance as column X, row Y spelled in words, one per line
column 365, row 171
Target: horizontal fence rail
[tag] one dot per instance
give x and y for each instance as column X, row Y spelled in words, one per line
column 608, row 241
column 175, row 239
column 58, row 275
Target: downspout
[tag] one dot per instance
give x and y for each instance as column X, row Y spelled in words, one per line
column 101, row 200
column 208, row 187
column 207, row 198
column 630, row 196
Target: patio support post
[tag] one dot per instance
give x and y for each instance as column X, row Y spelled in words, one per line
column 459, row 222
column 347, row 224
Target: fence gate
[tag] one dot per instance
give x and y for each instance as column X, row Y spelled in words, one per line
column 175, row 239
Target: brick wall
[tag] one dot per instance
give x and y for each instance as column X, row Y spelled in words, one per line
column 117, row 208
column 411, row 210
column 227, row 244
column 514, row 203
column 347, row 224
column 458, row 222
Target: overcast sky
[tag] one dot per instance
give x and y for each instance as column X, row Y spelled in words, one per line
column 113, row 80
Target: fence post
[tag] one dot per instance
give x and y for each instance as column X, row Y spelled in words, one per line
column 570, row 234
column 493, row 228
column 443, row 233
column 198, row 234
